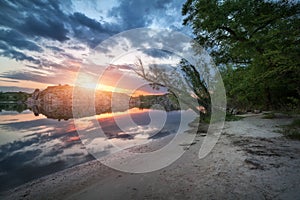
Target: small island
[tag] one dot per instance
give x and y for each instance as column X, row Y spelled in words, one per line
column 56, row 101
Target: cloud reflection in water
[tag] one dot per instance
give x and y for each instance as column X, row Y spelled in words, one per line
column 39, row 146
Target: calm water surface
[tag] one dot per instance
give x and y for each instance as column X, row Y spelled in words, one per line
column 34, row 146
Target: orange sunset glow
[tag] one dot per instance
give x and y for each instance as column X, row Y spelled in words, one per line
column 115, row 80
column 116, row 114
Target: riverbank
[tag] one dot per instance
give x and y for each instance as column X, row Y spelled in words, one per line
column 251, row 160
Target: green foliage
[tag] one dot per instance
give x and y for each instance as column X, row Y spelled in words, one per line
column 13, row 107
column 256, row 43
column 13, row 96
column 269, row 116
column 295, row 123
column 292, row 130
column 230, row 117
column 198, row 85
column 167, row 101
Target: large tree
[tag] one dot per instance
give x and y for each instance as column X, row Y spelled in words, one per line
column 170, row 78
column 255, row 41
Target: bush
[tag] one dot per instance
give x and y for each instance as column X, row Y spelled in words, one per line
column 269, row 116
column 230, row 117
column 292, row 130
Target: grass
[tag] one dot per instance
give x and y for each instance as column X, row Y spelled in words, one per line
column 292, row 130
column 230, row 117
column 295, row 123
column 269, row 116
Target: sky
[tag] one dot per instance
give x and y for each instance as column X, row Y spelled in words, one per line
column 44, row 42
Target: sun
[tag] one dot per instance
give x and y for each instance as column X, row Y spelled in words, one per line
column 90, row 82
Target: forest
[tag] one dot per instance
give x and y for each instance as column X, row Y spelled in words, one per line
column 255, row 44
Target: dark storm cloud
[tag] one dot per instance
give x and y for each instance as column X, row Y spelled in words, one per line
column 14, row 38
column 17, row 55
column 10, row 39
column 155, row 42
column 23, row 76
column 37, row 77
column 57, row 49
column 90, row 37
column 34, row 18
column 47, row 19
column 90, row 31
column 25, row 25
column 77, row 47
column 69, row 56
column 23, row 163
column 135, row 14
column 3, row 45
column 85, row 21
column 45, row 27
column 24, row 22
column 157, row 53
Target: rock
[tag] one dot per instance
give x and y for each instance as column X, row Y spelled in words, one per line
column 186, row 148
column 257, row 111
column 187, row 144
column 256, row 163
column 229, row 110
column 35, row 95
column 194, row 124
column 234, row 111
column 56, row 102
column 202, row 128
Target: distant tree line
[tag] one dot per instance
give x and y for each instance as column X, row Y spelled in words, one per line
column 13, row 96
column 167, row 102
column 13, row 107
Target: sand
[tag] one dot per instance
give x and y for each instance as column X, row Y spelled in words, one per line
column 250, row 161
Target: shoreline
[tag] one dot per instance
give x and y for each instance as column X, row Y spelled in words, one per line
column 250, row 158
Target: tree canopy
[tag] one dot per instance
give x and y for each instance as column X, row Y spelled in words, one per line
column 255, row 43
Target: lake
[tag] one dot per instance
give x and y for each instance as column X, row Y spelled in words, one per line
column 32, row 146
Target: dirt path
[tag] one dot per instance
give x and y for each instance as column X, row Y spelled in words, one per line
column 250, row 161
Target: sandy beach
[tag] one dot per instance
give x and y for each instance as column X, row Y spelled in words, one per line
column 251, row 160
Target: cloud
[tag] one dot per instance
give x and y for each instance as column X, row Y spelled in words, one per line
column 15, row 89
column 90, row 31
column 23, row 25
column 76, row 47
column 54, row 48
column 157, row 53
column 22, row 75
column 18, row 56
column 35, row 18
column 47, row 33
column 40, row 77
column 10, row 81
column 49, row 28
column 15, row 39
column 48, row 19
column 85, row 21
column 136, row 14
column 40, row 153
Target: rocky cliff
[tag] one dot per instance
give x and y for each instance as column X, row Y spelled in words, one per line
column 58, row 102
